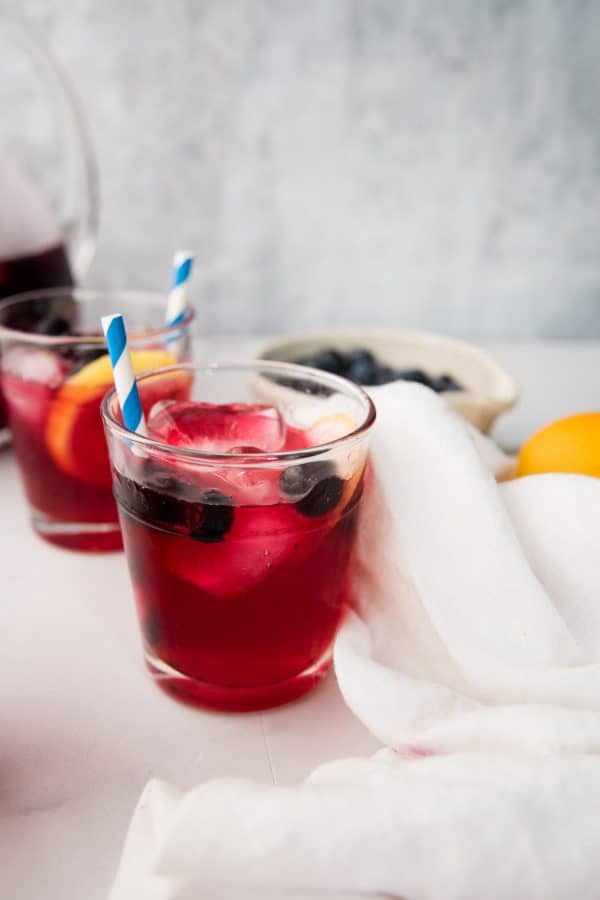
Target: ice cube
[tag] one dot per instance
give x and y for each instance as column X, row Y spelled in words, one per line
column 32, row 364
column 260, row 539
column 27, row 402
column 217, row 428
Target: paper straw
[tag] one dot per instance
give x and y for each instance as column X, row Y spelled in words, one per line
column 183, row 262
column 125, row 385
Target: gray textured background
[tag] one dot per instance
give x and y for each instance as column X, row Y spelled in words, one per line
column 348, row 161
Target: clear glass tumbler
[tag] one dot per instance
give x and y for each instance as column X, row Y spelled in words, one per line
column 239, row 513
column 54, row 371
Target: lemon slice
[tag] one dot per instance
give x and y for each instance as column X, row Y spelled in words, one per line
column 98, row 373
column 74, row 434
column 330, row 428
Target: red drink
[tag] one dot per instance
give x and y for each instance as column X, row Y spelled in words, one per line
column 54, row 371
column 46, row 269
column 233, row 593
column 65, row 482
column 240, row 564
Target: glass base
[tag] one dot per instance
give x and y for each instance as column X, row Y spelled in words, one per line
column 87, row 537
column 236, row 699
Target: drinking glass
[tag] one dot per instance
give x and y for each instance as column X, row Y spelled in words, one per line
column 240, row 558
column 54, row 371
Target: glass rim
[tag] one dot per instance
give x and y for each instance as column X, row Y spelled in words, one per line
column 88, row 295
column 247, row 460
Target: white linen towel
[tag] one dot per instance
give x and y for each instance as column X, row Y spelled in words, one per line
column 474, row 657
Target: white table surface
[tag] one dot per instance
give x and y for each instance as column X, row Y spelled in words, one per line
column 82, row 727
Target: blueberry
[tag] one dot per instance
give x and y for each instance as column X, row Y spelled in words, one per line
column 362, row 367
column 317, row 390
column 360, row 355
column 385, row 374
column 214, row 517
column 159, row 481
column 53, row 326
column 322, row 498
column 304, row 386
column 446, row 383
column 416, row 375
column 362, row 373
column 298, row 480
column 176, row 506
column 158, row 504
column 329, row 361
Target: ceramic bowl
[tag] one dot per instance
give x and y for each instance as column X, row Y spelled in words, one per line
column 488, row 389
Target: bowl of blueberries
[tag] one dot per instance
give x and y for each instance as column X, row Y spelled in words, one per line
column 467, row 377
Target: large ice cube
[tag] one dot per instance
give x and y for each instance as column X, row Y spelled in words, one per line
column 243, row 427
column 259, row 541
column 33, row 364
column 28, row 379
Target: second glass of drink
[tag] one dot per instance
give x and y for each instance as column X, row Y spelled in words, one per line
column 54, row 371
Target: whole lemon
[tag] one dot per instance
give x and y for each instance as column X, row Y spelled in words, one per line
column 567, row 445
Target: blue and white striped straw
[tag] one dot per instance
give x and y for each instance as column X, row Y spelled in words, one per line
column 125, row 385
column 183, row 262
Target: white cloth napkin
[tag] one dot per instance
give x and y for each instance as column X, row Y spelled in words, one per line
column 475, row 657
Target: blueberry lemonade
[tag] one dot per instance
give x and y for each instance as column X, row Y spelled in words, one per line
column 54, row 371
column 239, row 519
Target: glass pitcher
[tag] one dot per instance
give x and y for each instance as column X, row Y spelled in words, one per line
column 48, row 176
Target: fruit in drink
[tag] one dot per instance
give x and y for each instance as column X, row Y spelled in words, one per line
column 240, row 570
column 74, row 434
column 53, row 402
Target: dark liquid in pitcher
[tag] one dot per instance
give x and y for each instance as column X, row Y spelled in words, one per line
column 49, row 268
column 46, row 269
